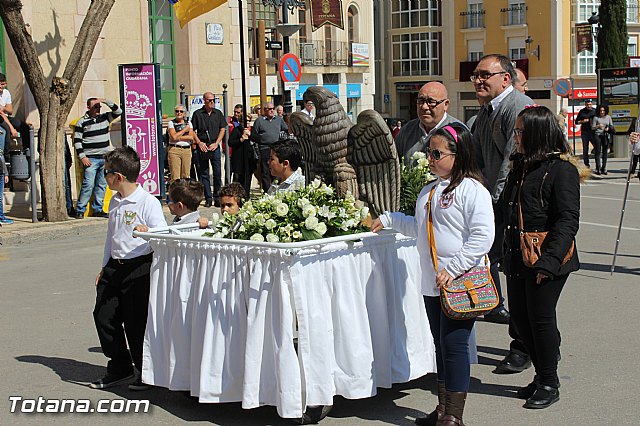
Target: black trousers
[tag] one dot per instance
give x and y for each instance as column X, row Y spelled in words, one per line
column 122, row 298
column 533, row 313
column 495, row 253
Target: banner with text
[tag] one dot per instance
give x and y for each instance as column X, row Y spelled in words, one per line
column 325, row 12
column 142, row 121
column 584, row 39
column 618, row 88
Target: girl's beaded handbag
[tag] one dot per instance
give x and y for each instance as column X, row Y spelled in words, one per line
column 471, row 294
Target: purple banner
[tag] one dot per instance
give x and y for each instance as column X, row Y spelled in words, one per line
column 141, row 112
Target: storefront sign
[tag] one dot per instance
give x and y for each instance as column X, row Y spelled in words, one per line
column 142, row 121
column 354, row 91
column 584, row 38
column 325, row 12
column 591, row 93
column 335, row 88
column 360, row 54
column 619, row 90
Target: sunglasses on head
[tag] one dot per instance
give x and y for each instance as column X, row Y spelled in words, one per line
column 437, row 155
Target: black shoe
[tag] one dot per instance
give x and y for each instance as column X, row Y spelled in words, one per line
column 528, row 391
column 598, row 172
column 71, row 212
column 100, row 214
column 138, row 385
column 499, row 316
column 313, row 414
column 543, row 397
column 111, row 380
column 604, row 172
column 79, row 215
column 514, row 362
column 207, row 203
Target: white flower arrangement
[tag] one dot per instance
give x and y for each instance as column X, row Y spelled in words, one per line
column 307, row 213
column 412, row 179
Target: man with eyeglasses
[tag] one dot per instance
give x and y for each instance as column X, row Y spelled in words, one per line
column 493, row 80
column 209, row 125
column 91, row 141
column 265, row 132
column 432, row 105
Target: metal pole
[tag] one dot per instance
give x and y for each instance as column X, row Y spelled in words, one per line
column 286, row 94
column 242, row 65
column 227, row 155
column 183, row 96
column 32, row 169
column 573, row 113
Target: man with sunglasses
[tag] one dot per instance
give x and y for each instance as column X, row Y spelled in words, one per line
column 493, row 80
column 209, row 125
column 432, row 105
column 91, row 141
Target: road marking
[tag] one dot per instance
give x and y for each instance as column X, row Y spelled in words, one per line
column 611, row 199
column 625, row 228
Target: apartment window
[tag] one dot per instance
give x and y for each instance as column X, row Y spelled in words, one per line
column 162, row 47
column 417, row 54
column 415, row 13
column 587, row 62
column 475, row 14
column 632, row 11
column 353, row 30
column 302, row 20
column 585, row 9
column 516, row 14
column 475, row 50
column 632, row 46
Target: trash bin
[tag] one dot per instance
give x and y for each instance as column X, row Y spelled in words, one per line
column 19, row 165
column 621, row 146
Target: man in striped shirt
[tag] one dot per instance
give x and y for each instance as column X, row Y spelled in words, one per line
column 91, row 140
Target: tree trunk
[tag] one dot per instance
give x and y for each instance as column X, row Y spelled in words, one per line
column 54, row 102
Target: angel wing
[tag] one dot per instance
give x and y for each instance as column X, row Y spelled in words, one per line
column 302, row 126
column 372, row 153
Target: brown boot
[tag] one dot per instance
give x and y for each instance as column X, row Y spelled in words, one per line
column 453, row 409
column 435, row 415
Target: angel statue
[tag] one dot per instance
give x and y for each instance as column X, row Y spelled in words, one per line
column 360, row 158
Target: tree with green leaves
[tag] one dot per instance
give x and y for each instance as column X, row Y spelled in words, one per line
column 612, row 35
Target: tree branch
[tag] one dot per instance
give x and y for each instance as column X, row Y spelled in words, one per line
column 23, row 46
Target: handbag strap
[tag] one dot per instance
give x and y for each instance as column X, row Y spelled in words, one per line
column 432, row 241
column 520, row 221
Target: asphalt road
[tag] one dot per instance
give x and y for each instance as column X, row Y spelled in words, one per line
column 50, row 347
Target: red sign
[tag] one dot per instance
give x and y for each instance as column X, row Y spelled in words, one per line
column 290, row 69
column 325, row 12
column 585, row 93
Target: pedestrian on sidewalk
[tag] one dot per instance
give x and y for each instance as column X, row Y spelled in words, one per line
column 122, row 286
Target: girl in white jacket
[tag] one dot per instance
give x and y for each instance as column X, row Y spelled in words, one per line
column 463, row 226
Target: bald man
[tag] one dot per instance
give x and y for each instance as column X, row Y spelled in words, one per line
column 520, row 81
column 432, row 105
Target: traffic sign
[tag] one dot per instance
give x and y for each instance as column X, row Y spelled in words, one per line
column 562, row 87
column 290, row 68
column 273, row 45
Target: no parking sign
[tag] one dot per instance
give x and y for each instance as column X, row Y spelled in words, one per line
column 290, row 68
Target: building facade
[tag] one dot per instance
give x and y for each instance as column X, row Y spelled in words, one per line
column 427, row 40
column 201, row 56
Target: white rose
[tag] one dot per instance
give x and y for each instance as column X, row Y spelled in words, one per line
column 418, row 155
column 302, row 202
column 364, row 212
column 270, row 224
column 423, row 162
column 309, row 210
column 215, row 219
column 257, row 237
column 321, row 228
column 328, row 190
column 316, row 183
column 259, row 218
column 296, row 235
column 323, row 211
column 311, row 222
column 282, row 209
column 272, row 238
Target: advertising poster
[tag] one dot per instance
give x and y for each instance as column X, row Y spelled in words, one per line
column 142, row 121
column 360, row 54
column 618, row 88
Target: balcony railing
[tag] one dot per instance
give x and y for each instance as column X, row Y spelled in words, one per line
column 514, row 15
column 322, row 53
column 472, row 19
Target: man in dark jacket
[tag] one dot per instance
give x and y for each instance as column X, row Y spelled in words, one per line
column 265, row 132
column 493, row 135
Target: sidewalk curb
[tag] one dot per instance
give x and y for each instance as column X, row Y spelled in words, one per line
column 27, row 232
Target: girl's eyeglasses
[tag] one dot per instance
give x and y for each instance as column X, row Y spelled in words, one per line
column 437, row 154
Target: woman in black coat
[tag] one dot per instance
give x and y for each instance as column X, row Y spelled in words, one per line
column 550, row 201
column 243, row 162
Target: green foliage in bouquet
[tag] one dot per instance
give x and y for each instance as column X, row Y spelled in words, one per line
column 412, row 179
column 307, row 213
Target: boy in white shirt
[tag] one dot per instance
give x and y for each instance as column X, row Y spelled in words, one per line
column 284, row 164
column 122, row 286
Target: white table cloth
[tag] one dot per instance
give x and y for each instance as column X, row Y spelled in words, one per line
column 222, row 315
